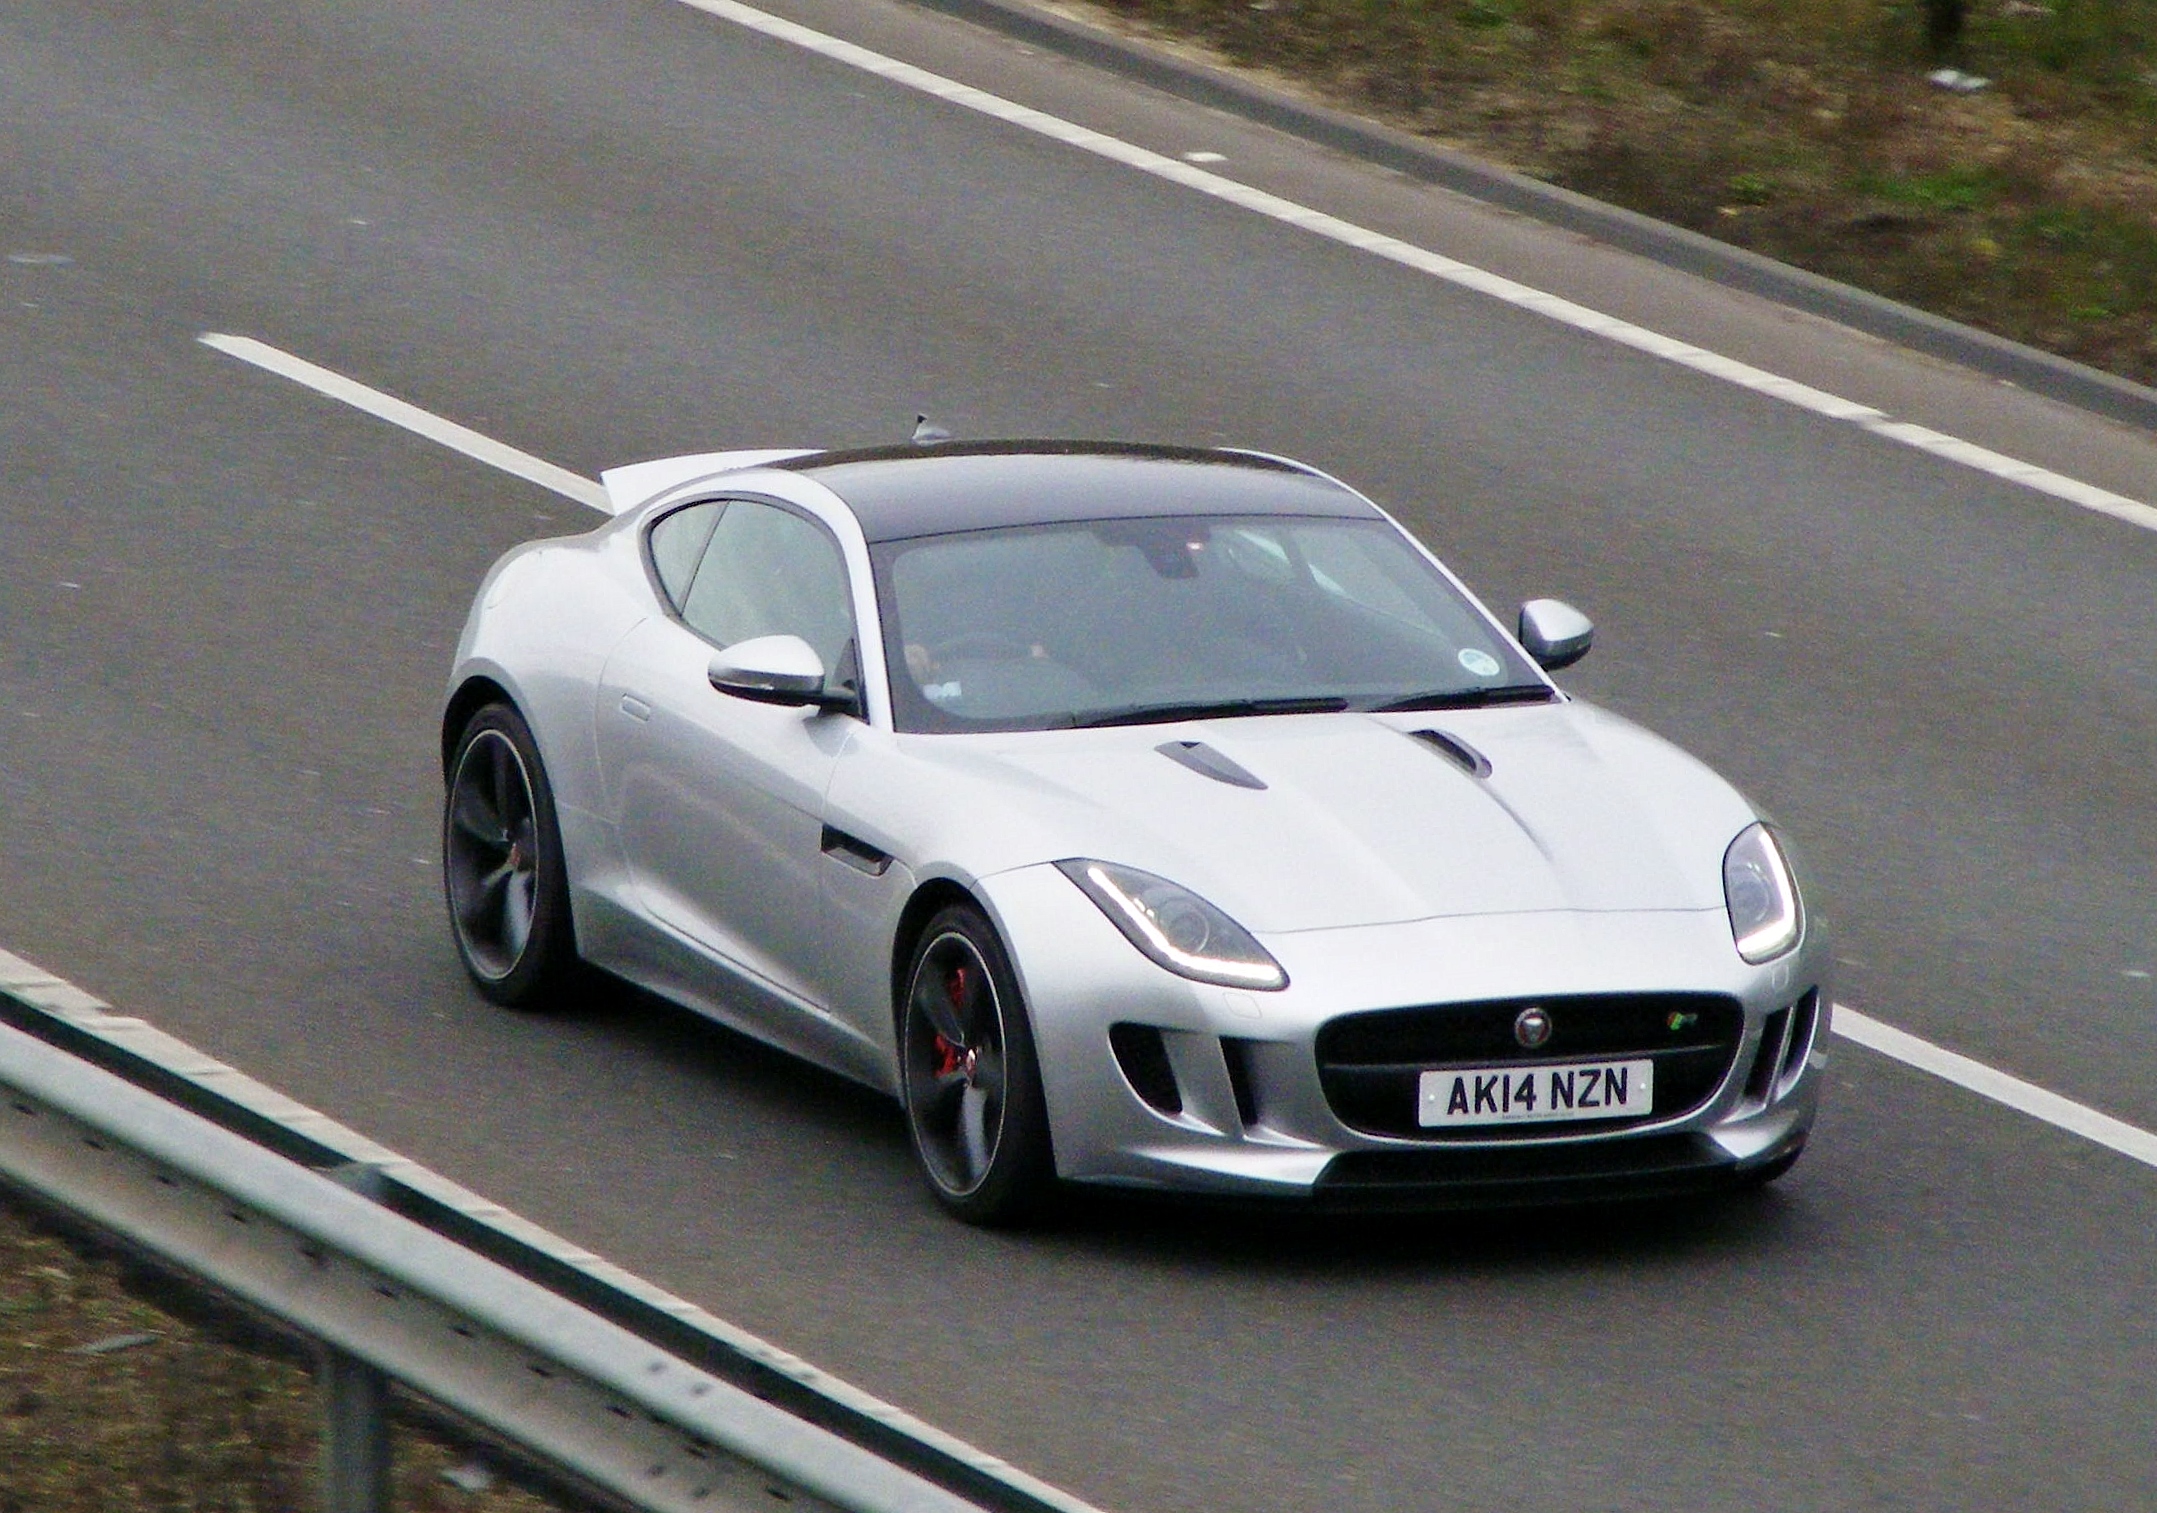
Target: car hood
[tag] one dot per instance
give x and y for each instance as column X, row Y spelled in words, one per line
column 1360, row 821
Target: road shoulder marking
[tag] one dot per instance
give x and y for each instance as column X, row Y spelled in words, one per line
column 1463, row 275
column 410, row 416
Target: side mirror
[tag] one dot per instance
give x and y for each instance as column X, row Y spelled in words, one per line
column 771, row 670
column 1554, row 633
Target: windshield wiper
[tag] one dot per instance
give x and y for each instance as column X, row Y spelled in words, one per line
column 1469, row 698
column 1214, row 709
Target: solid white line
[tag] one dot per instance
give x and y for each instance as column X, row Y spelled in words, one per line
column 420, row 422
column 1990, row 1082
column 1464, row 275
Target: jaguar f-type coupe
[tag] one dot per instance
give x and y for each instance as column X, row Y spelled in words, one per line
column 1134, row 815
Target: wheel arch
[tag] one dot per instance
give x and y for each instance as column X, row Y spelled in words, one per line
column 932, row 896
column 473, row 695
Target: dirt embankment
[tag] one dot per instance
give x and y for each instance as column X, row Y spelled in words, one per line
column 118, row 1391
column 1807, row 130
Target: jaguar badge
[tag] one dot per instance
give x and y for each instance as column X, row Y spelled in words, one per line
column 1531, row 1027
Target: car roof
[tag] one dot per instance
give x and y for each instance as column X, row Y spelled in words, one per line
column 906, row 491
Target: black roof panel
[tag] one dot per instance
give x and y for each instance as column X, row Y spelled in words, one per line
column 898, row 492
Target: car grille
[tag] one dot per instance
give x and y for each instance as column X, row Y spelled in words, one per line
column 1371, row 1064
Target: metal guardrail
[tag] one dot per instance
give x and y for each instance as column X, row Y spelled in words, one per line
column 400, row 1275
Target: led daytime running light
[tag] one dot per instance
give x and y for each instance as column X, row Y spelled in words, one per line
column 1140, row 925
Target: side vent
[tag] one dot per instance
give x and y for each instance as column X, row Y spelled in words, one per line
column 1768, row 1060
column 1456, row 751
column 855, row 852
column 1143, row 1060
column 1804, row 1025
column 1237, row 1053
column 1207, row 762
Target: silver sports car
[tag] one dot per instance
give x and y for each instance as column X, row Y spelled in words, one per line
column 1135, row 815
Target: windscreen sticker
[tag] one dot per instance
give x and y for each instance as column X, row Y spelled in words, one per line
column 1479, row 662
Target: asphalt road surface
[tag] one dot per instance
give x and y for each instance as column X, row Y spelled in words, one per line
column 600, row 230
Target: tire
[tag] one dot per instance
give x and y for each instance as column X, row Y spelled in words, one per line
column 503, row 876
column 969, row 1078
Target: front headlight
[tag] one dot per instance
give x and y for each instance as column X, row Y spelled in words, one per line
column 1175, row 928
column 1765, row 915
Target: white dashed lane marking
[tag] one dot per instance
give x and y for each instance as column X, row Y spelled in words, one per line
column 420, row 422
column 1990, row 1082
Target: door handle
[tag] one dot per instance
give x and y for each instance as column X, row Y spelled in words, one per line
column 635, row 707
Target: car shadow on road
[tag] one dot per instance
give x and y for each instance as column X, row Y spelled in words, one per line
column 791, row 1099
column 631, row 1019
column 1288, row 1238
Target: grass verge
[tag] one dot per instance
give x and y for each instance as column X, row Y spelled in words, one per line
column 119, row 1390
column 1805, row 130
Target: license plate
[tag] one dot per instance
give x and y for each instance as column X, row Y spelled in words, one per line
column 1536, row 1094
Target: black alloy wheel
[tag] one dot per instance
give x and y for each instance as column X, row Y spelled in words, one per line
column 502, row 868
column 969, row 1077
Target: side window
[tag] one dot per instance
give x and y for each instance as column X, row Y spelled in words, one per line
column 677, row 542
column 769, row 572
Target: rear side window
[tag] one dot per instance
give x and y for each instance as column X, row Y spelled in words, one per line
column 677, row 544
column 766, row 572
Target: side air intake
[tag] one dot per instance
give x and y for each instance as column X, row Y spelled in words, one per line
column 1143, row 1059
column 1768, row 1059
column 1804, row 1025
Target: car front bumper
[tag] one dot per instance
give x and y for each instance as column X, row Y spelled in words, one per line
column 1252, row 1116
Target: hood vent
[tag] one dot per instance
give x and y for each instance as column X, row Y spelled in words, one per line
column 1456, row 751
column 1207, row 762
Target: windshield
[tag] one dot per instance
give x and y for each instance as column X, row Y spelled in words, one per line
column 1127, row 621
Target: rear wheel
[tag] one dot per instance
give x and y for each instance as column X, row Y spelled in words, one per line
column 968, row 1074
column 502, row 869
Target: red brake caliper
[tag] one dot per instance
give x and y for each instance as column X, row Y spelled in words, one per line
column 952, row 1058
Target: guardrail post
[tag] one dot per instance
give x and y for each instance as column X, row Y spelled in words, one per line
column 355, row 1435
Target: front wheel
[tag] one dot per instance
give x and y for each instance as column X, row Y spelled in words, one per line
column 968, row 1074
column 502, row 869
